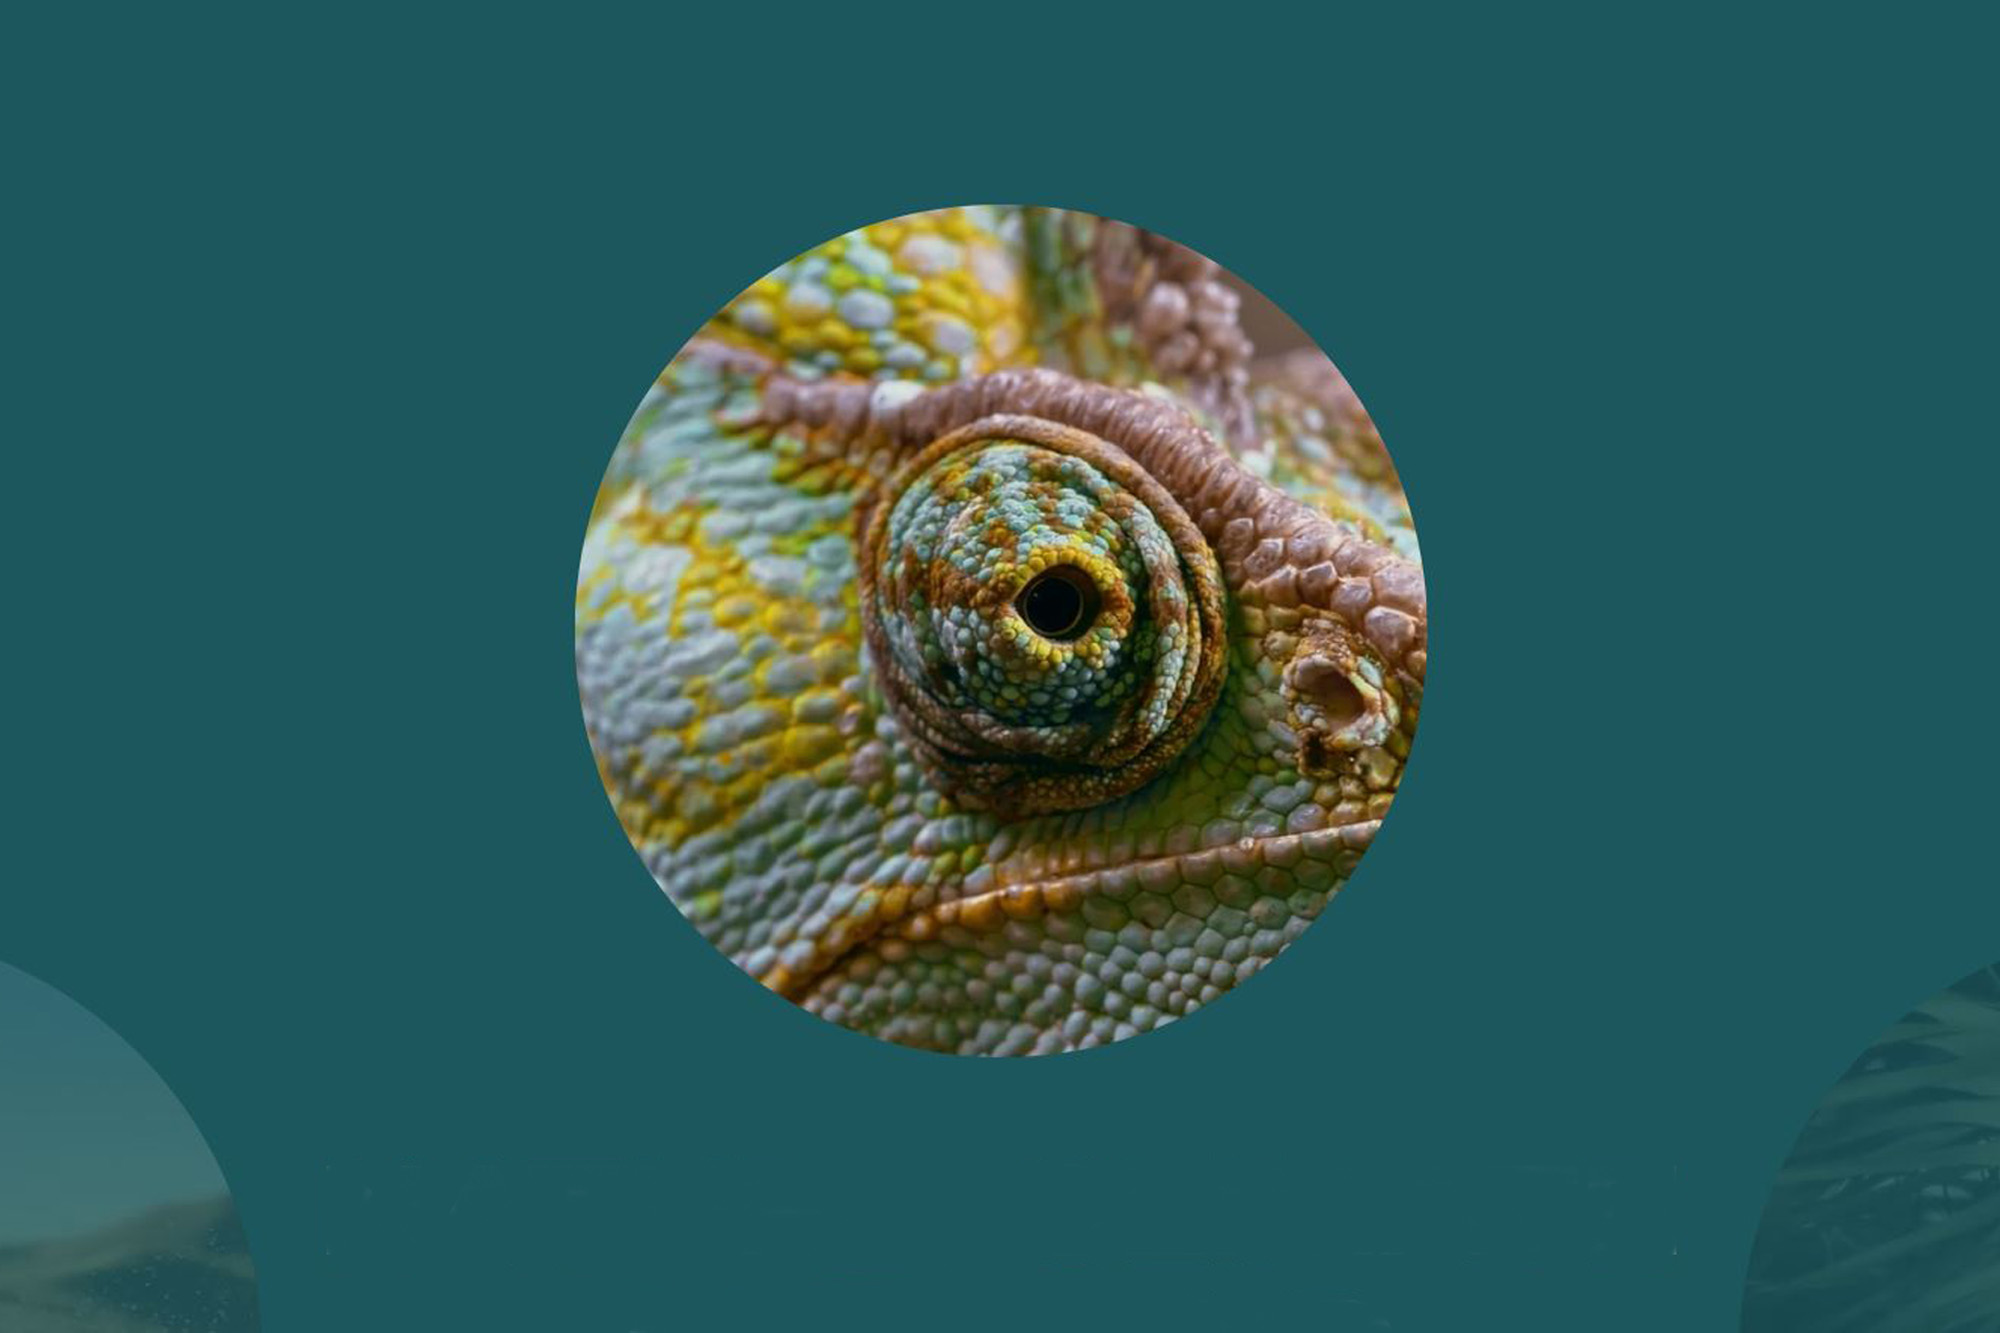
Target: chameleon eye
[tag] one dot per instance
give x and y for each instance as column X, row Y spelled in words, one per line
column 1059, row 603
column 1045, row 618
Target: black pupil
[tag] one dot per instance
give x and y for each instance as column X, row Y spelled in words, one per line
column 1054, row 604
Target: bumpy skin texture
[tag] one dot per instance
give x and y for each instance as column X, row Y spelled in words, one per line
column 855, row 753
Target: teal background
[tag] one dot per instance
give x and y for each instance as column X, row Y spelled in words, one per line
column 321, row 328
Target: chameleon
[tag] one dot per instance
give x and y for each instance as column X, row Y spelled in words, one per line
column 984, row 647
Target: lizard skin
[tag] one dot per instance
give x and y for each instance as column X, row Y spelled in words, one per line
column 819, row 663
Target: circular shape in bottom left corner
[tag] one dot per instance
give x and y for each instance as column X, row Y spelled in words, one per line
column 114, row 1217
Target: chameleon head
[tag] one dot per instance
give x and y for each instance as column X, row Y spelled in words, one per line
column 1015, row 714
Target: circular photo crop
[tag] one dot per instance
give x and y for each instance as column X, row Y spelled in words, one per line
column 1886, row 1216
column 1000, row 631
column 114, row 1217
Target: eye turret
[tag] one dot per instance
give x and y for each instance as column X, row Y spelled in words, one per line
column 1046, row 619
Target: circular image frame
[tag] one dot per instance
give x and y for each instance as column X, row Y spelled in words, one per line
column 823, row 689
column 1885, row 1217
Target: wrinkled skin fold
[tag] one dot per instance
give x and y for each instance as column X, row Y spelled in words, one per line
column 846, row 752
